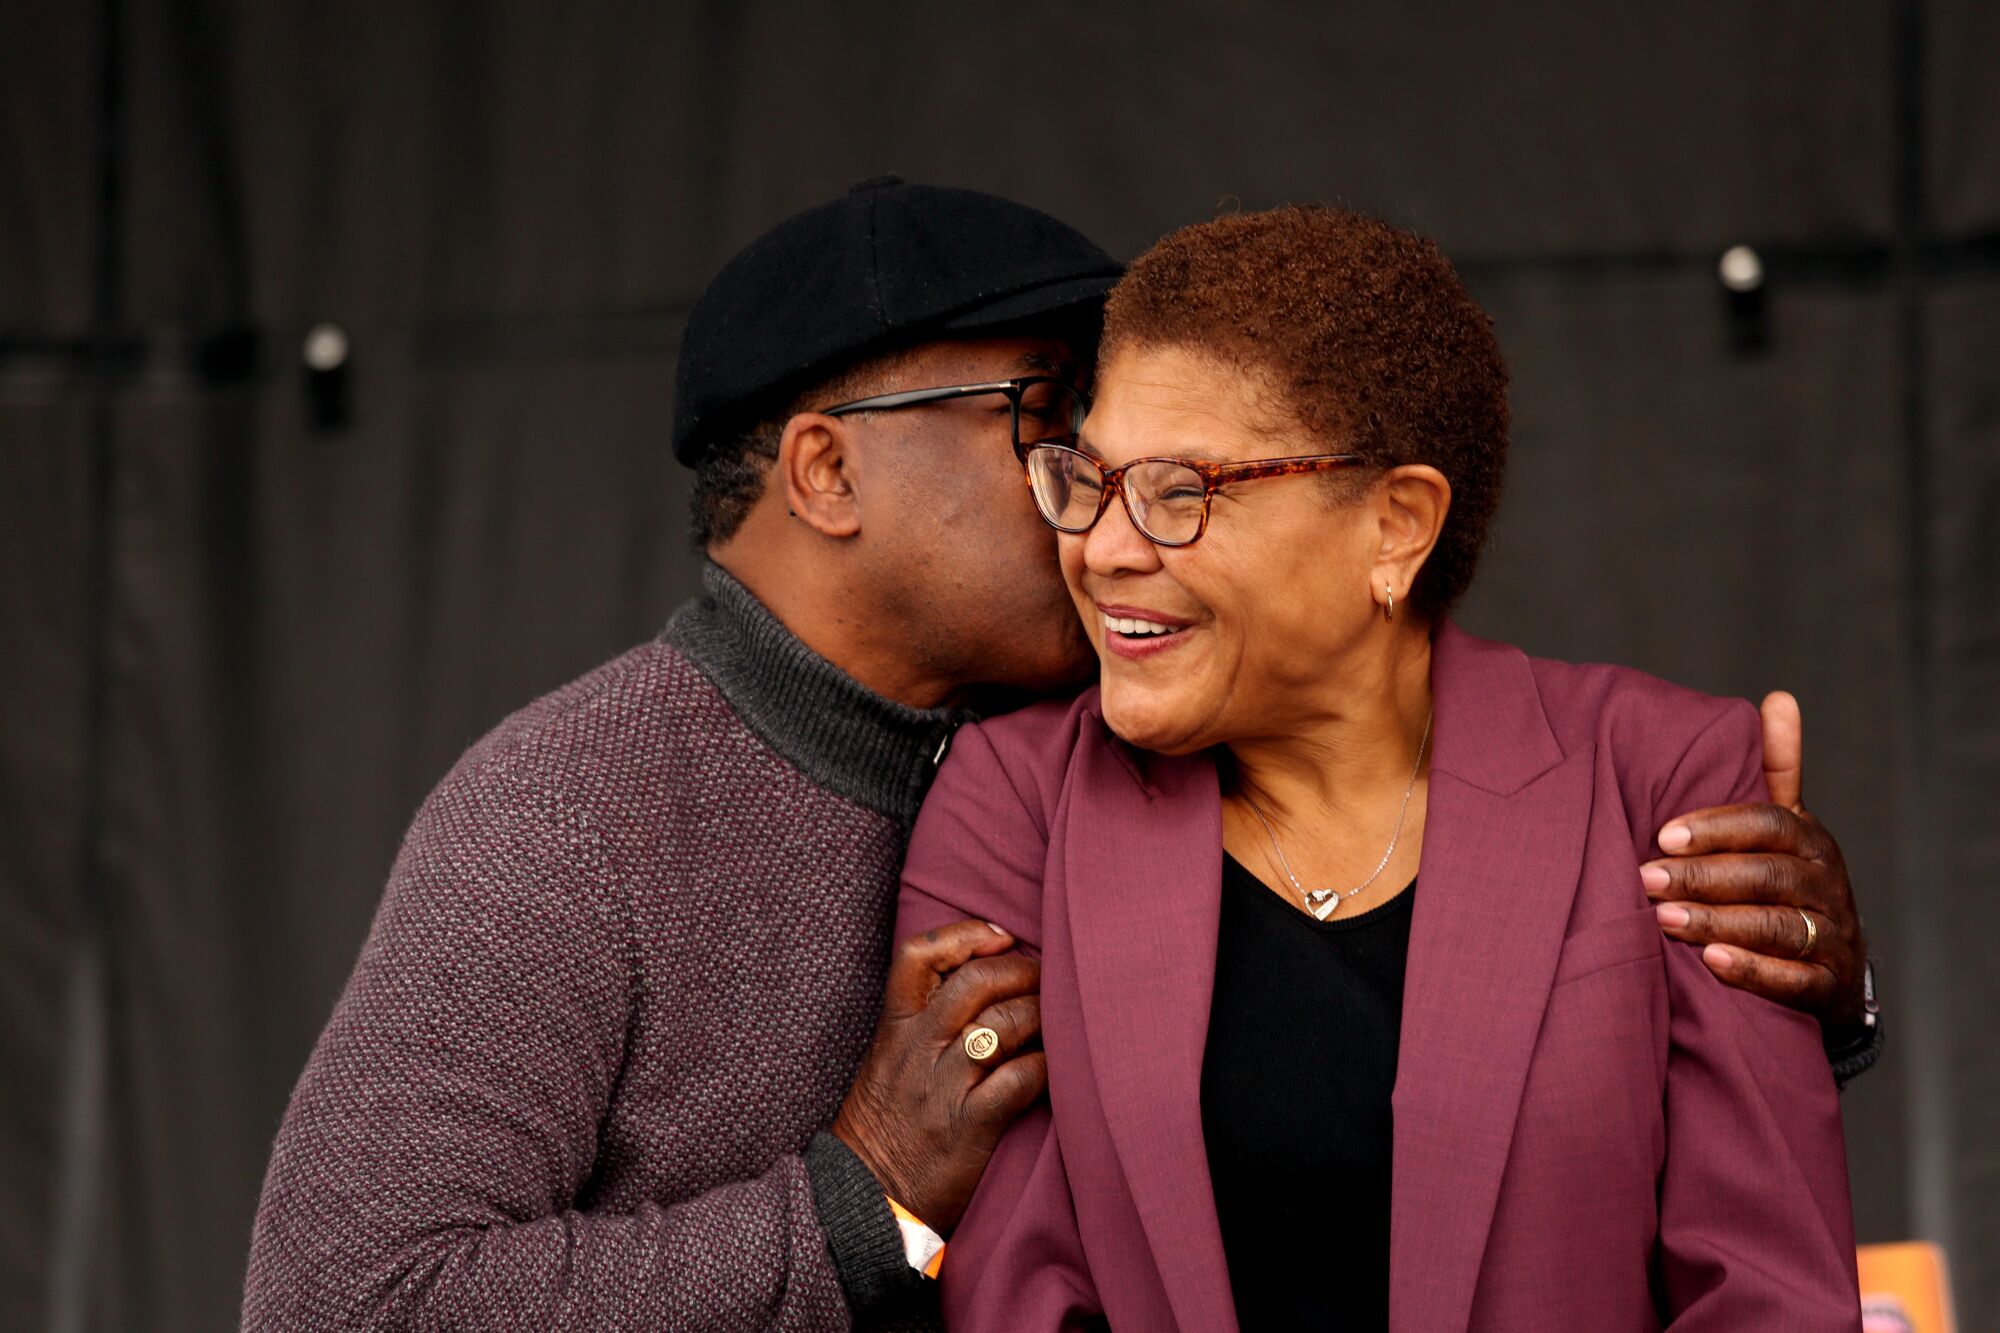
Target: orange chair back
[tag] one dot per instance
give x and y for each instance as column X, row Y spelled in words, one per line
column 1904, row 1289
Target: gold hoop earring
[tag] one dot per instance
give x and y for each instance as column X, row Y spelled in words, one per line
column 1389, row 611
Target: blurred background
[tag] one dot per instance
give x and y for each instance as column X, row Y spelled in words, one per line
column 336, row 348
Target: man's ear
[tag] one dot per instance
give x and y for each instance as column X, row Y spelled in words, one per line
column 817, row 468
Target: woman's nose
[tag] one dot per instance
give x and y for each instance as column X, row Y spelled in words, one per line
column 1115, row 546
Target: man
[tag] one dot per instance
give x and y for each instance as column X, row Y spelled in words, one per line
column 606, row 1059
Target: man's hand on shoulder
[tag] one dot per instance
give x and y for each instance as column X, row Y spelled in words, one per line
column 1765, row 888
column 923, row 1115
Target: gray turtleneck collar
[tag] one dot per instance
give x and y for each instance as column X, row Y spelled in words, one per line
column 850, row 740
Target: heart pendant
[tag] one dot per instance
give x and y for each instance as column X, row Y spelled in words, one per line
column 1322, row 903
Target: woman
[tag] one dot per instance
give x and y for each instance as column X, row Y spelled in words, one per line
column 1355, row 1012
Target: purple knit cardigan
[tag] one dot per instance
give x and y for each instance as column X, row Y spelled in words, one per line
column 626, row 965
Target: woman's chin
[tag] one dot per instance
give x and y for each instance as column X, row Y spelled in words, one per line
column 1150, row 724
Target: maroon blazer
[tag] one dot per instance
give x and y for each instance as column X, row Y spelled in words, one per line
column 1591, row 1131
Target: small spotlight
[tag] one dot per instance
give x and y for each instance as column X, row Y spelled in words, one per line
column 325, row 347
column 1741, row 269
column 329, row 373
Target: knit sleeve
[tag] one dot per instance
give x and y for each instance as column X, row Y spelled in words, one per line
column 427, row 1172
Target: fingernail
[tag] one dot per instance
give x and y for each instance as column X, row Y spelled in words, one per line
column 1655, row 878
column 995, row 929
column 1674, row 837
column 1718, row 958
column 1671, row 915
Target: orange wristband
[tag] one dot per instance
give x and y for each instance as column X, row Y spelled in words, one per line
column 923, row 1247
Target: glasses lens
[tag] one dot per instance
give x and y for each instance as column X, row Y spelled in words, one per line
column 1166, row 500
column 1068, row 487
column 1051, row 413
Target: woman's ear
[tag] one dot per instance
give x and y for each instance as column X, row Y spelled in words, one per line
column 1411, row 504
column 817, row 467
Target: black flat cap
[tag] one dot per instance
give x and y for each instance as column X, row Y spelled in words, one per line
column 885, row 265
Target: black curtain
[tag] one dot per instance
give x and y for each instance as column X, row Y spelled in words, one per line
column 253, row 610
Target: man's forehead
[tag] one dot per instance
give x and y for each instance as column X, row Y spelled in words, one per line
column 995, row 357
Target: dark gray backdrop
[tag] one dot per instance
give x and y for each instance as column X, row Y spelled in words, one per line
column 248, row 618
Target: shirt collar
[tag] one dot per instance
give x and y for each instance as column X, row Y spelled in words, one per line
column 874, row 751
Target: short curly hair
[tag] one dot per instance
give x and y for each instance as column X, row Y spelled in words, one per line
column 1367, row 332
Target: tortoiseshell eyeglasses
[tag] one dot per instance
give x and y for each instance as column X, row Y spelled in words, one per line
column 1166, row 498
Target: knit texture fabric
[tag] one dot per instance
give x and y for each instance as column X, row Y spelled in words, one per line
column 627, row 963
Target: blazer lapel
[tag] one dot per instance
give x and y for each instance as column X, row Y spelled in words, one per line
column 1503, row 845
column 1142, row 864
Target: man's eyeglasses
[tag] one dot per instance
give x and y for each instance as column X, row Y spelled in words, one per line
column 1044, row 409
column 1167, row 498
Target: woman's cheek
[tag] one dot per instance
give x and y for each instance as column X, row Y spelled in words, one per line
column 1069, row 554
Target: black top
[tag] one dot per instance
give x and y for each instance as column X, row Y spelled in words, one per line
column 1295, row 1086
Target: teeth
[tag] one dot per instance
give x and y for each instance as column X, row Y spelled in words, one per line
column 1129, row 625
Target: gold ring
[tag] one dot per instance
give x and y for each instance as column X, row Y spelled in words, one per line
column 1812, row 931
column 980, row 1043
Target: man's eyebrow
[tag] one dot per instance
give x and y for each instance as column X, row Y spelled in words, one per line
column 1041, row 363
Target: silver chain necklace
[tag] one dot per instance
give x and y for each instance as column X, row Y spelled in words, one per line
column 1323, row 903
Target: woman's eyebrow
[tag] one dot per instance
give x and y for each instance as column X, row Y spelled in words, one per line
column 1083, row 445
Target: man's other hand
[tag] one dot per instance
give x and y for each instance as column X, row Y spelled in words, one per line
column 923, row 1115
column 1737, row 877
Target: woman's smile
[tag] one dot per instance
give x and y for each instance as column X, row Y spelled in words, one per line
column 1135, row 634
